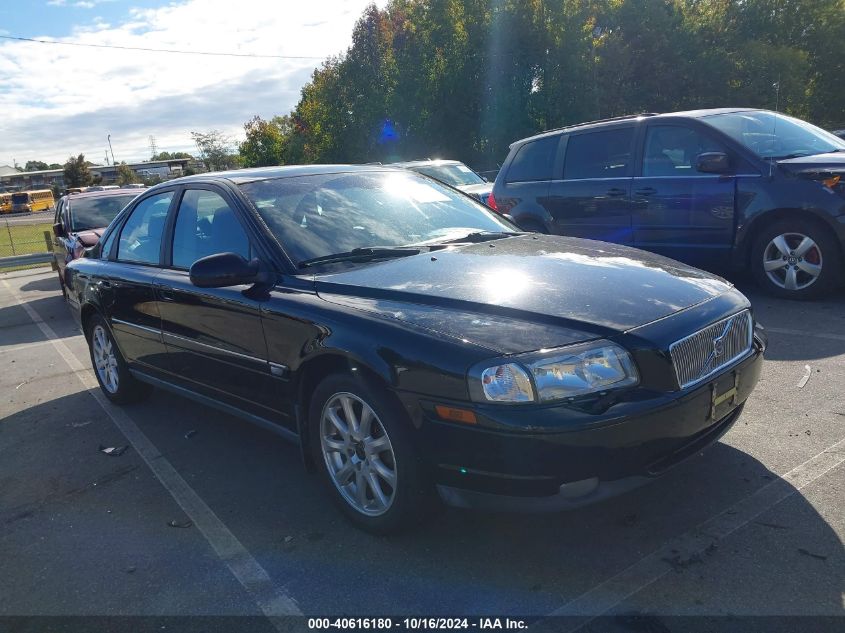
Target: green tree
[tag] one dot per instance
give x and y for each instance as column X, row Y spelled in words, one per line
column 171, row 156
column 214, row 149
column 266, row 141
column 76, row 172
column 35, row 165
column 125, row 175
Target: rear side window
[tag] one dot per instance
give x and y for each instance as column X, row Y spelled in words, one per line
column 607, row 154
column 534, row 161
column 140, row 239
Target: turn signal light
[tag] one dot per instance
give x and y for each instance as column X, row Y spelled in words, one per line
column 455, row 415
column 831, row 182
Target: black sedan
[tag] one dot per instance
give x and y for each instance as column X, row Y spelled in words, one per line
column 414, row 343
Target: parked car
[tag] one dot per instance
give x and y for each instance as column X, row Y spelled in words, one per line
column 839, row 133
column 80, row 220
column 412, row 341
column 753, row 189
column 453, row 173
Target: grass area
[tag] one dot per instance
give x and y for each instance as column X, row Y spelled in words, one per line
column 23, row 239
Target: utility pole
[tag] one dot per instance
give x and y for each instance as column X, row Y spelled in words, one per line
column 113, row 162
column 153, row 148
column 107, row 158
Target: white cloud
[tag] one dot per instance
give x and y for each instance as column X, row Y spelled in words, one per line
column 63, row 100
column 56, row 3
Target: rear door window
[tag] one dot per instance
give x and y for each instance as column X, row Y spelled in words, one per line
column 534, row 161
column 605, row 154
column 140, row 239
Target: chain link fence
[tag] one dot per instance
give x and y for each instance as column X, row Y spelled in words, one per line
column 26, row 241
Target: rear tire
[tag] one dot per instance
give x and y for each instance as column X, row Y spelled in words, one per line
column 361, row 443
column 796, row 259
column 116, row 383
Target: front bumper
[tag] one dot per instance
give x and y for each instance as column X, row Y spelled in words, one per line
column 574, row 456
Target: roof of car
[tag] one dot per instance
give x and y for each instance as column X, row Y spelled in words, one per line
column 633, row 117
column 426, row 162
column 106, row 193
column 240, row 176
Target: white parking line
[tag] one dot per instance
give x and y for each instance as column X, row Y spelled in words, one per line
column 256, row 581
column 612, row 592
column 827, row 335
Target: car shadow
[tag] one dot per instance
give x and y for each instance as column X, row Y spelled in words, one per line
column 463, row 562
column 17, row 327
column 44, row 284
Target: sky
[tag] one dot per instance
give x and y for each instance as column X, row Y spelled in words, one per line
column 58, row 100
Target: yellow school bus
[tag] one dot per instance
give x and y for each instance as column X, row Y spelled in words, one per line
column 5, row 203
column 32, row 200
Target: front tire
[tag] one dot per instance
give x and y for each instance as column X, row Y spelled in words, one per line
column 796, row 259
column 116, row 383
column 361, row 443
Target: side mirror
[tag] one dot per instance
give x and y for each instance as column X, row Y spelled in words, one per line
column 58, row 230
column 224, row 269
column 712, row 163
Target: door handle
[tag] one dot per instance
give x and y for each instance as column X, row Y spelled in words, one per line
column 165, row 296
column 615, row 192
column 646, row 191
column 104, row 283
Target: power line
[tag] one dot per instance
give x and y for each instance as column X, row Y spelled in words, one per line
column 156, row 50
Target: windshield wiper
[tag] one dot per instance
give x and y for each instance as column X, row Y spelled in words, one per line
column 364, row 254
column 476, row 237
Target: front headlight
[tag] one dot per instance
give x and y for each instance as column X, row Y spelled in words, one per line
column 555, row 375
column 583, row 369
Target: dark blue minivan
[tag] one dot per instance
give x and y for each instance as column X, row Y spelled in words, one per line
column 734, row 187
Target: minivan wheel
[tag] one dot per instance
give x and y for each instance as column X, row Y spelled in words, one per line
column 360, row 441
column 110, row 368
column 796, row 260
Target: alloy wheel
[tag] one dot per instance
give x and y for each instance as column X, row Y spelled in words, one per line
column 358, row 454
column 105, row 360
column 792, row 261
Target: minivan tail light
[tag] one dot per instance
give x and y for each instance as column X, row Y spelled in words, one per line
column 491, row 202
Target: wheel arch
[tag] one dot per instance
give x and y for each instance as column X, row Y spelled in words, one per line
column 313, row 370
column 764, row 220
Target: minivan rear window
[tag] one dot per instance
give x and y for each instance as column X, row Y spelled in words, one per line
column 534, row 161
column 606, row 154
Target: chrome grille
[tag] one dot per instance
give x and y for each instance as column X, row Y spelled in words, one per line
column 700, row 355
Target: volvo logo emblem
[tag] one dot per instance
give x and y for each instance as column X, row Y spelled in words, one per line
column 718, row 349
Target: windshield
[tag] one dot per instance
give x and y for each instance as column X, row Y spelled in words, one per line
column 452, row 174
column 771, row 135
column 315, row 216
column 95, row 213
column 20, row 198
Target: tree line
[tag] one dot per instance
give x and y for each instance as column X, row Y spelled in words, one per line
column 464, row 78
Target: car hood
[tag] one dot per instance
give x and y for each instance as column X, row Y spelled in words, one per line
column 89, row 237
column 832, row 162
column 541, row 290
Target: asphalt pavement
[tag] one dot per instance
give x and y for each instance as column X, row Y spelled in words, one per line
column 204, row 514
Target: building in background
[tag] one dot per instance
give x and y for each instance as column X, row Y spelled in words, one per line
column 13, row 180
